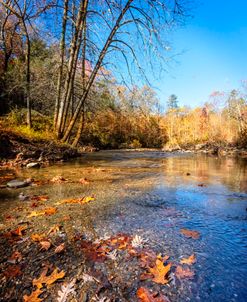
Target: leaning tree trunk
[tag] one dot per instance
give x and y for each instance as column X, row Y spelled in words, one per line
column 60, row 72
column 95, row 71
column 69, row 76
column 83, row 75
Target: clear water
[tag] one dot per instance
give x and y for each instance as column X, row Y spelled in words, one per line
column 151, row 194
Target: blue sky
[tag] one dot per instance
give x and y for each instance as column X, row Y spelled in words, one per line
column 214, row 53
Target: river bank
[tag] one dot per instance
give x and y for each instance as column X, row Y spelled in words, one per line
column 20, row 151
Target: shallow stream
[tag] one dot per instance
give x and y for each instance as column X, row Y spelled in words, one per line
column 154, row 195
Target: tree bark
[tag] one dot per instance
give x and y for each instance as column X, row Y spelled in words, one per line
column 60, row 70
column 95, row 71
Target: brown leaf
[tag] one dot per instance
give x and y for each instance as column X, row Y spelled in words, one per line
column 15, row 257
column 190, row 234
column 60, row 248
column 144, row 295
column 191, row 260
column 19, row 230
column 182, row 273
column 45, row 245
column 12, row 271
column 160, row 272
column 48, row 280
column 34, row 297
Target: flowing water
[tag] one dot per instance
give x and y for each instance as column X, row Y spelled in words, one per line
column 154, row 195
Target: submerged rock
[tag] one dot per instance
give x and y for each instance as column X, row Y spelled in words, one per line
column 33, row 165
column 18, row 183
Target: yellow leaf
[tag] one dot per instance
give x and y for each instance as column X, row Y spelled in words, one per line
column 47, row 211
column 77, row 200
column 37, row 237
column 191, row 260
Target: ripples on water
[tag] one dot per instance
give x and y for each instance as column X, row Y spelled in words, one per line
column 154, row 195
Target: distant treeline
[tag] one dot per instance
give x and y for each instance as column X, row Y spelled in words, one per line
column 57, row 79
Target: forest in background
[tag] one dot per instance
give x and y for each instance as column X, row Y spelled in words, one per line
column 67, row 67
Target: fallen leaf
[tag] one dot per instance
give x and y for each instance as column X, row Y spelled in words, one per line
column 58, row 179
column 190, row 234
column 59, row 248
column 37, row 237
column 15, row 257
column 144, row 295
column 182, row 273
column 191, row 260
column 77, row 200
column 12, row 271
column 53, row 230
column 45, row 245
column 84, row 181
column 160, row 272
column 39, row 198
column 47, row 211
column 66, row 289
column 48, row 280
column 34, row 296
column 19, row 230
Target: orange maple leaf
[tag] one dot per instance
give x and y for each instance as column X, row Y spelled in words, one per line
column 34, row 296
column 144, row 295
column 48, row 280
column 191, row 260
column 160, row 272
column 190, row 234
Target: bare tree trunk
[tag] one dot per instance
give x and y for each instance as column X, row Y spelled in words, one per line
column 62, row 51
column 28, row 99
column 64, row 104
column 83, row 74
column 95, row 71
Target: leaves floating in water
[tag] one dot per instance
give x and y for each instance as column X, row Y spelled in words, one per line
column 191, row 260
column 144, row 295
column 182, row 273
column 160, row 272
column 190, row 234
